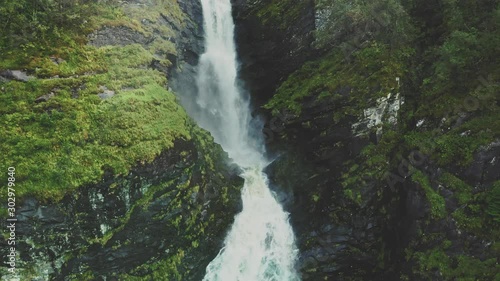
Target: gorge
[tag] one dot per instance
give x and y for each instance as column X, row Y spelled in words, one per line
column 261, row 243
column 251, row 139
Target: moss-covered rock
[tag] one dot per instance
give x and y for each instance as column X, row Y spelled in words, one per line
column 113, row 179
column 135, row 225
column 391, row 130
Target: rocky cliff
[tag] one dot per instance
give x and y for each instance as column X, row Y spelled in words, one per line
column 113, row 180
column 386, row 116
column 383, row 118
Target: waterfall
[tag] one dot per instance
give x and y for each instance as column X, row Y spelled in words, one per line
column 260, row 246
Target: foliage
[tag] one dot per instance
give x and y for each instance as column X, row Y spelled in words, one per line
column 463, row 191
column 34, row 27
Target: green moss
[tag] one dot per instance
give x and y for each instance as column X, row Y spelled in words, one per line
column 373, row 67
column 436, row 201
column 463, row 268
column 69, row 140
column 471, row 215
column 166, row 269
column 372, row 164
column 493, row 202
column 477, row 216
column 284, row 12
column 66, row 142
column 463, row 191
column 133, row 16
column 87, row 275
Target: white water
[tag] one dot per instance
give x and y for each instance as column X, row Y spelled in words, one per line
column 260, row 245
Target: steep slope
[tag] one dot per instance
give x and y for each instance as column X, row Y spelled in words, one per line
column 387, row 134
column 113, row 179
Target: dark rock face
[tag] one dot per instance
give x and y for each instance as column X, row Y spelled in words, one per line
column 485, row 167
column 336, row 236
column 353, row 225
column 268, row 52
column 184, row 74
column 155, row 212
column 345, row 239
column 191, row 37
column 164, row 220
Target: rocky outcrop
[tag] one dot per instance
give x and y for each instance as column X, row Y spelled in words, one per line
column 116, row 36
column 164, row 218
column 339, row 231
column 168, row 214
column 17, row 75
column 378, row 227
column 270, row 48
column 186, row 35
column 184, row 75
column 374, row 193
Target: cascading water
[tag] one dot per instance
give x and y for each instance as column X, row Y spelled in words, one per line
column 260, row 245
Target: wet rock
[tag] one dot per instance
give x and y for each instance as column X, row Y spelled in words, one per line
column 190, row 46
column 416, row 204
column 139, row 222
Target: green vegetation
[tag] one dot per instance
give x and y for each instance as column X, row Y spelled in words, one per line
column 374, row 67
column 69, row 141
column 493, row 201
column 452, row 86
column 57, row 132
column 463, row 191
column 446, row 56
column 460, row 268
column 165, row 269
column 280, row 12
column 436, row 201
column 385, row 21
column 90, row 111
column 42, row 28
